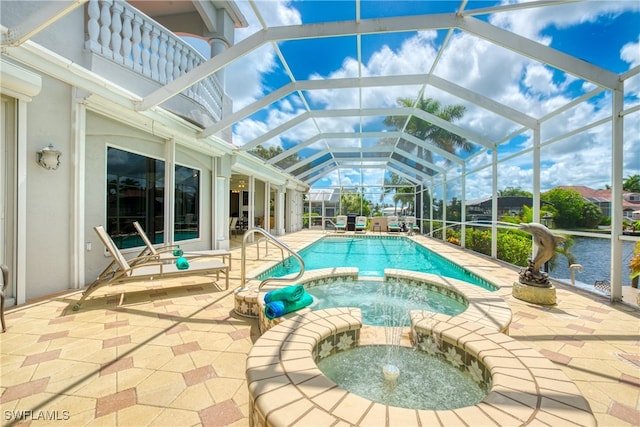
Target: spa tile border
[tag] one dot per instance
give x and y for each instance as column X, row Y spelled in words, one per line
column 287, row 388
column 483, row 307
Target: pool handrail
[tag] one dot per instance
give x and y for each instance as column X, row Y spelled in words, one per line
column 249, row 233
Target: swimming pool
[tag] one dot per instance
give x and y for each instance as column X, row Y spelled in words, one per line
column 385, row 303
column 371, row 255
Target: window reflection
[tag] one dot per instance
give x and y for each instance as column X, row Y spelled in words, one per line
column 135, row 192
column 187, row 196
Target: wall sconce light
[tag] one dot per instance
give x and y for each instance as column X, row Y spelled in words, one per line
column 49, row 157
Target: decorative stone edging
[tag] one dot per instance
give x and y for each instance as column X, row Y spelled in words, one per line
column 287, row 388
column 248, row 304
column 483, row 307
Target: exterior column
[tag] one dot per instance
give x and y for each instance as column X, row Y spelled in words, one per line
column 444, row 209
column 221, row 188
column 494, row 205
column 279, row 225
column 169, row 190
column 536, row 174
column 20, row 276
column 266, row 222
column 252, row 202
column 617, row 166
column 217, row 47
column 79, row 131
column 463, row 209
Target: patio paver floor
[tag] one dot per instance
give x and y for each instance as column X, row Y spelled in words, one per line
column 173, row 352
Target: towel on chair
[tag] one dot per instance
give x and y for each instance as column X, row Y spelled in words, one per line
column 280, row 308
column 182, row 264
column 288, row 293
column 178, row 252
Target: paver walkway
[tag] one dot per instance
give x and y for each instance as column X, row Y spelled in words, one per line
column 172, row 353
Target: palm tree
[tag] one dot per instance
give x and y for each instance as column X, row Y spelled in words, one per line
column 430, row 132
column 406, row 196
column 391, row 183
column 632, row 183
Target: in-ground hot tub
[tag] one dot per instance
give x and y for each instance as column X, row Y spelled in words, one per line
column 480, row 305
column 286, row 387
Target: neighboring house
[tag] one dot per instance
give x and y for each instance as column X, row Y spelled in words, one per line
column 480, row 209
column 80, row 148
column 602, row 198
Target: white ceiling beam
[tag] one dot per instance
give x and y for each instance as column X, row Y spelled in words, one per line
column 231, row 119
column 482, row 101
column 204, row 70
column 401, row 169
column 315, row 169
column 315, row 178
column 516, row 6
column 539, row 52
column 309, row 159
column 417, row 159
column 377, row 81
column 295, row 32
column 350, row 135
column 431, row 147
column 465, row 133
column 276, row 131
column 385, row 149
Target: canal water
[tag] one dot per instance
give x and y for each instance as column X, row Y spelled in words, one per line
column 594, row 254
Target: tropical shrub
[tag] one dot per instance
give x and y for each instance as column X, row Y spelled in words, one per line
column 591, row 215
column 514, row 247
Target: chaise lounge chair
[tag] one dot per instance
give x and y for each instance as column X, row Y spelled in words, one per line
column 166, row 252
column 412, row 227
column 393, row 224
column 361, row 224
column 147, row 268
column 341, row 223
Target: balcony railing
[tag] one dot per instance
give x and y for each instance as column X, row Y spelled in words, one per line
column 123, row 34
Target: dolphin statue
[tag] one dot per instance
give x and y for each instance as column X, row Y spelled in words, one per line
column 546, row 243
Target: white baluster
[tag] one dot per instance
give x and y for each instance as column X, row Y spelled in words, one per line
column 162, row 58
column 177, row 60
column 93, row 26
column 116, row 28
column 191, row 58
column 155, row 39
column 183, row 63
column 127, row 32
column 105, row 31
column 146, row 42
column 171, row 51
column 136, row 45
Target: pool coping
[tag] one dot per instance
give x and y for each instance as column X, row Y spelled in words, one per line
column 287, row 388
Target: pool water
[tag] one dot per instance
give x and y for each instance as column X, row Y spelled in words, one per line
column 371, row 256
column 425, row 381
column 383, row 303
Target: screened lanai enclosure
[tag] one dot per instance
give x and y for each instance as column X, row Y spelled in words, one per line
column 443, row 102
column 347, row 117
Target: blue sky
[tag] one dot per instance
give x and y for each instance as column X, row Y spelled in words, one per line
column 605, row 33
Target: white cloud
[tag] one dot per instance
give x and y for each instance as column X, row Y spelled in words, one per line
column 631, row 53
column 244, row 80
column 531, row 22
column 539, row 80
column 473, row 63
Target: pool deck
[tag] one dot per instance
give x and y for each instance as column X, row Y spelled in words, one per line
column 172, row 352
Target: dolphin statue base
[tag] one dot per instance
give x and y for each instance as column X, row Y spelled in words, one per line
column 531, row 277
